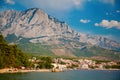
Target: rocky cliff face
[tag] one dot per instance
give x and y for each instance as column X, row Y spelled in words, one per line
column 34, row 24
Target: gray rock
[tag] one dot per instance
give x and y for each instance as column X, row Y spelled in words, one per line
column 35, row 24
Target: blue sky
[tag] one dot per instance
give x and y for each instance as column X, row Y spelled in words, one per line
column 96, row 17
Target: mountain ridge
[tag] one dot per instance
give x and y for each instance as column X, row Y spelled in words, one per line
column 35, row 26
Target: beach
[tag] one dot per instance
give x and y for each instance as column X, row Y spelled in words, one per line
column 8, row 70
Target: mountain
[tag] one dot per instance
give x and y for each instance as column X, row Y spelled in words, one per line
column 39, row 32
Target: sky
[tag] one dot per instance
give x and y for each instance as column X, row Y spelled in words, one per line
column 94, row 17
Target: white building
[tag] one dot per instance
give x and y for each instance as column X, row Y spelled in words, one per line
column 84, row 66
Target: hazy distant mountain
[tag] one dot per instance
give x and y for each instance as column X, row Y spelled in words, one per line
column 34, row 26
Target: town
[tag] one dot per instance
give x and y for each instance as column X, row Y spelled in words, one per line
column 62, row 64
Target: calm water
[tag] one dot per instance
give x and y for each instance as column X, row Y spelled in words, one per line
column 68, row 75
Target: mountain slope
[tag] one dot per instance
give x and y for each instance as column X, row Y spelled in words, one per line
column 35, row 26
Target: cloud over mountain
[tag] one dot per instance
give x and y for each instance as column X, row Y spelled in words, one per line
column 53, row 4
column 109, row 24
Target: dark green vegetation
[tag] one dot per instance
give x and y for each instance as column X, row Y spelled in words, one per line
column 11, row 56
column 113, row 67
column 45, row 63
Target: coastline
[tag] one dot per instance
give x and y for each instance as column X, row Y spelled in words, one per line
column 7, row 70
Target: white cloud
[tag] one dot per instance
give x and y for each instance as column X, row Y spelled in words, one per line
column 108, row 1
column 78, row 2
column 56, row 5
column 59, row 5
column 84, row 21
column 10, row 1
column 109, row 24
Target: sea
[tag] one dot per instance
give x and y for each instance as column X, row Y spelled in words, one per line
column 66, row 75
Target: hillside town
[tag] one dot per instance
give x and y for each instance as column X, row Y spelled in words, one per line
column 47, row 64
column 62, row 64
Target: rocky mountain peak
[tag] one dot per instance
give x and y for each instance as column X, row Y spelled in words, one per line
column 37, row 26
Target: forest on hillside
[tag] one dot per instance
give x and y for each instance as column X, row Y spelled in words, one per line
column 11, row 55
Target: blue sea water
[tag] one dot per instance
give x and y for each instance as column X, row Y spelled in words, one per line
column 67, row 75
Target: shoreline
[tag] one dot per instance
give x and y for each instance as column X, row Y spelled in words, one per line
column 22, row 71
column 2, row 71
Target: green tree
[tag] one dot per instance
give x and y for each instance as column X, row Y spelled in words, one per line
column 11, row 55
column 45, row 63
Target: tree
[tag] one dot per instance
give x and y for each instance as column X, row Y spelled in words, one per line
column 45, row 63
column 11, row 55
